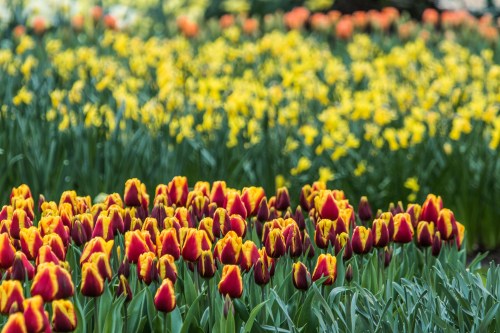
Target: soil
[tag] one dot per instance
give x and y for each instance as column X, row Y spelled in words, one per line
column 493, row 255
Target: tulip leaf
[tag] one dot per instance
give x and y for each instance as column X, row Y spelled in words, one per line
column 253, row 315
column 150, row 306
column 490, row 315
column 283, row 307
column 176, row 320
column 135, row 311
column 241, row 309
column 81, row 323
column 114, row 317
column 104, row 301
column 191, row 314
column 305, row 318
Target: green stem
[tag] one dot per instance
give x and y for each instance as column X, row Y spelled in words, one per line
column 96, row 316
column 210, row 316
column 125, row 319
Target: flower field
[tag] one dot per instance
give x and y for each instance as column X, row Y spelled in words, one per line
column 311, row 140
column 220, row 259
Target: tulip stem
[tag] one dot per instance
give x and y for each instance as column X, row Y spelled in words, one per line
column 96, row 315
column 195, row 273
column 210, row 317
column 125, row 319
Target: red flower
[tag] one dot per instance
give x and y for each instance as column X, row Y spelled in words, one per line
column 231, row 283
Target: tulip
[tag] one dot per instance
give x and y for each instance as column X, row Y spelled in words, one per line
column 249, row 255
column 166, row 267
column 192, row 245
column 235, row 205
column 430, row 208
column 168, row 243
column 263, row 211
column 52, row 282
column 436, row 244
column 301, row 277
column 56, row 245
column 307, row 246
column 45, row 254
column 21, row 268
column 387, row 256
column 293, row 240
column 151, row 226
column 31, row 241
column 218, row 194
column 178, row 191
column 231, row 283
column 124, row 288
column 349, row 273
column 101, row 260
column 299, row 218
column 237, row 224
column 446, row 224
column 92, row 281
column 87, row 222
column 203, row 187
column 165, row 297
column 252, row 197
column 343, row 241
column 124, row 268
column 133, row 192
column 206, row 264
column 66, row 213
column 159, row 212
column 324, row 233
column 261, row 272
column 171, row 222
column 26, row 204
column 63, row 316
column 115, row 214
column 275, row 244
column 414, row 211
column 78, row 234
column 35, row 317
column 398, row 209
column 54, row 224
column 15, row 324
column 20, row 220
column 222, row 222
column 11, row 296
column 364, row 209
column 388, row 218
column 228, row 249
column 425, row 233
column 207, row 224
column 146, row 268
column 380, row 233
column 326, row 265
column 103, row 228
column 199, row 205
column 361, row 240
column 403, row 230
column 113, row 199
column 136, row 243
column 96, row 245
column 7, row 251
column 326, row 205
column 282, row 199
column 184, row 217
column 459, row 236
column 306, row 198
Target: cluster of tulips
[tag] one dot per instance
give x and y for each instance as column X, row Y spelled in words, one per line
column 206, row 229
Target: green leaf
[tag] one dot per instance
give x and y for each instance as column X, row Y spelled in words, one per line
column 490, row 315
column 135, row 311
column 253, row 315
column 191, row 314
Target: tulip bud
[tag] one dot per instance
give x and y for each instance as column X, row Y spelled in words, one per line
column 396, row 209
column 207, row 225
column 159, row 212
column 380, row 233
column 305, row 198
column 15, row 324
column 307, row 247
column 11, row 293
column 20, row 220
column 252, row 197
column 52, row 282
column 124, row 268
column 228, row 306
column 31, row 241
column 238, row 225
column 361, row 240
column 261, row 272
column 326, row 205
column 7, row 251
column 178, row 191
column 349, row 273
column 206, row 264
column 249, row 255
column 436, row 244
column 136, row 243
column 165, row 297
column 301, row 277
column 124, row 289
column 282, row 199
column 133, row 192
column 293, row 240
column 78, row 234
column 101, row 260
column 275, row 244
column 92, row 282
column 459, row 236
column 387, row 256
column 21, row 268
column 218, row 194
column 446, row 224
column 324, row 233
column 228, row 249
column 168, row 243
column 403, row 230
column 326, row 265
column 146, row 268
column 231, row 283
column 63, row 316
column 35, row 316
column 431, row 208
column 414, row 211
column 166, row 267
column 96, row 245
column 235, row 205
column 45, row 254
column 115, row 213
column 389, row 221
column 343, row 241
column 56, row 245
column 364, row 209
column 54, row 224
column 425, row 232
column 192, row 246
column 263, row 211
